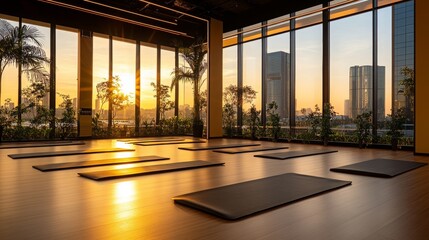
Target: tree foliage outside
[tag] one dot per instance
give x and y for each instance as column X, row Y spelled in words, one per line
column 231, row 101
column 273, row 120
column 363, row 123
column 193, row 72
column 67, row 121
column 165, row 104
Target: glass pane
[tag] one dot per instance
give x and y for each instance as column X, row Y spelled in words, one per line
column 9, row 77
column 124, row 71
column 250, row 35
column 230, row 38
column 384, row 46
column 186, row 94
column 167, row 68
column 279, row 25
column 28, row 76
column 351, row 72
column 308, row 83
column 277, row 85
column 252, row 64
column 311, row 18
column 66, row 68
column 386, row 2
column 403, row 65
column 100, row 74
column 229, row 84
column 148, row 59
column 348, row 9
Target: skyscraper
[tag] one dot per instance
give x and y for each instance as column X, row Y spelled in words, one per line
column 403, row 49
column 361, row 90
column 277, row 85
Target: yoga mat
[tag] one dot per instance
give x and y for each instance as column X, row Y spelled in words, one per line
column 294, row 154
column 242, row 199
column 156, row 140
column 94, row 163
column 197, row 148
column 144, row 139
column 66, row 153
column 36, row 144
column 385, row 168
column 246, row 150
column 168, row 143
column 137, row 171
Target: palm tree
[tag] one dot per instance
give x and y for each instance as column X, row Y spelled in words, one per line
column 6, row 46
column 20, row 46
column 193, row 72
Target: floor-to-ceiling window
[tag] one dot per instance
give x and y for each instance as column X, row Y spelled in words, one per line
column 9, row 75
column 384, row 58
column 167, row 97
column 308, row 90
column 252, row 79
column 403, row 67
column 229, row 104
column 278, row 78
column 148, row 60
column 66, row 77
column 351, row 81
column 35, row 80
column 124, row 82
column 100, row 77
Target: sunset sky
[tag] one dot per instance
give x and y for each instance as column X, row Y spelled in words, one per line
column 351, row 44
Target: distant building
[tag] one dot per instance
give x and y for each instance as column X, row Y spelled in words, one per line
column 403, row 49
column 277, row 84
column 361, row 90
column 347, row 109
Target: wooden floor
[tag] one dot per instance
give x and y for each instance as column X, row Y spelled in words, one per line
column 61, row 205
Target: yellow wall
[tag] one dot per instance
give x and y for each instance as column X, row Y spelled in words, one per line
column 215, row 79
column 422, row 77
column 85, row 86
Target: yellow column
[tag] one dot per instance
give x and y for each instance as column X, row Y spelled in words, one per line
column 85, row 84
column 215, row 79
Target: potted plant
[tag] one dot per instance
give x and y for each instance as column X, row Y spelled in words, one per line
column 193, row 72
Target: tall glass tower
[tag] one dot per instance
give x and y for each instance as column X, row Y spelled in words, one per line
column 403, row 50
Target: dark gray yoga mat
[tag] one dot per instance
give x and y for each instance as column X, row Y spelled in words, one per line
column 65, row 153
column 205, row 147
column 156, row 140
column 95, row 163
column 242, row 199
column 38, row 144
column 294, row 154
column 248, row 149
column 385, row 168
column 168, row 143
column 147, row 139
column 146, row 170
